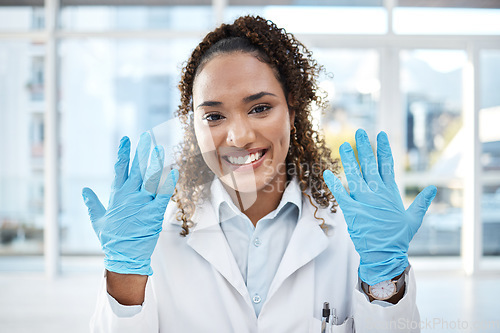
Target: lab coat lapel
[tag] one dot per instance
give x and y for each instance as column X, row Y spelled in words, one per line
column 209, row 241
column 307, row 242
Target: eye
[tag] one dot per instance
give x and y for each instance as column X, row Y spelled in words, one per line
column 260, row 109
column 212, row 117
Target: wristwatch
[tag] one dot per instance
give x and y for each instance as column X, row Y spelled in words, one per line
column 384, row 290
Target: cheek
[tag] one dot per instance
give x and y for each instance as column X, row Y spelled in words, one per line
column 283, row 137
column 206, row 139
column 277, row 133
column 286, row 135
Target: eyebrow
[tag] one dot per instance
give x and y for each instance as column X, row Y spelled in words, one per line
column 257, row 96
column 247, row 99
column 209, row 103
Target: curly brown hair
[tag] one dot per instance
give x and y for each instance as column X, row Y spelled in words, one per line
column 296, row 70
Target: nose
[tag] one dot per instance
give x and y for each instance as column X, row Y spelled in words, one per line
column 240, row 132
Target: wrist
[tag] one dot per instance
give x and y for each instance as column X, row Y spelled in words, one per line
column 126, row 289
column 138, row 267
column 391, row 290
column 373, row 273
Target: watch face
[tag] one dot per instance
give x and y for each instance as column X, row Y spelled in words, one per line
column 383, row 290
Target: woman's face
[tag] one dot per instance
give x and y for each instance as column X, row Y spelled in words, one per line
column 242, row 122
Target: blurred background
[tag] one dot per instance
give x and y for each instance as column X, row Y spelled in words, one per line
column 75, row 76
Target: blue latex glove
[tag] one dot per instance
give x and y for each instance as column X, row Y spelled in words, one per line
column 380, row 227
column 129, row 229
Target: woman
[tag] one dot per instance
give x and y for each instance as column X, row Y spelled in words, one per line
column 253, row 238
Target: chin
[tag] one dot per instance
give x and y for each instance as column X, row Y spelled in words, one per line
column 241, row 183
column 246, row 187
column 250, row 183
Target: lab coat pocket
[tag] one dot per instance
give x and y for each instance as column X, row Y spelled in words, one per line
column 346, row 327
column 314, row 325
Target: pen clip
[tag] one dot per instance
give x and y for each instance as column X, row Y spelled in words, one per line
column 334, row 316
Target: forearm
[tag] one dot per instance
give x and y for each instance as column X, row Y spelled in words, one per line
column 126, row 289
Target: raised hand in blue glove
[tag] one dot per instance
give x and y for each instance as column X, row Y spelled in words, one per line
column 129, row 229
column 380, row 227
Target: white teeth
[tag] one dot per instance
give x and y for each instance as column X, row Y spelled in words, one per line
column 247, row 159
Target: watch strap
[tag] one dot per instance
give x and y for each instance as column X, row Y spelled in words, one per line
column 401, row 281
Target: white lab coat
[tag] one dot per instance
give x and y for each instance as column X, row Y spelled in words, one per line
column 198, row 287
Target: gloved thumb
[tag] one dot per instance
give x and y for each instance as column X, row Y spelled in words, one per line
column 95, row 207
column 422, row 202
column 335, row 186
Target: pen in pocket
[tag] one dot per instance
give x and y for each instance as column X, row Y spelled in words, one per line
column 325, row 317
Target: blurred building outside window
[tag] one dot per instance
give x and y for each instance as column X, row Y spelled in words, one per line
column 21, row 147
column 431, row 82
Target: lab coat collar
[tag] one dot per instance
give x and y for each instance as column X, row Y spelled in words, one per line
column 307, row 242
column 225, row 209
column 209, row 241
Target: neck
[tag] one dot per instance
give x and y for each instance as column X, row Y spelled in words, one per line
column 257, row 205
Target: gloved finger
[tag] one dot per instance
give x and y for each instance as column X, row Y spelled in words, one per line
column 337, row 189
column 385, row 160
column 122, row 164
column 420, row 205
column 94, row 205
column 167, row 188
column 140, row 162
column 367, row 160
column 154, row 171
column 351, row 168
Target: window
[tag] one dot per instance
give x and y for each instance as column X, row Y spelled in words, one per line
column 489, row 118
column 117, row 69
column 110, row 88
column 353, row 88
column 21, row 147
column 431, row 82
column 98, row 18
column 20, row 18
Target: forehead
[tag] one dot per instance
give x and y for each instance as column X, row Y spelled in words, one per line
column 234, row 73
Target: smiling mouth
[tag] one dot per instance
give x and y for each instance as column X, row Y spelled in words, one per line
column 246, row 159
